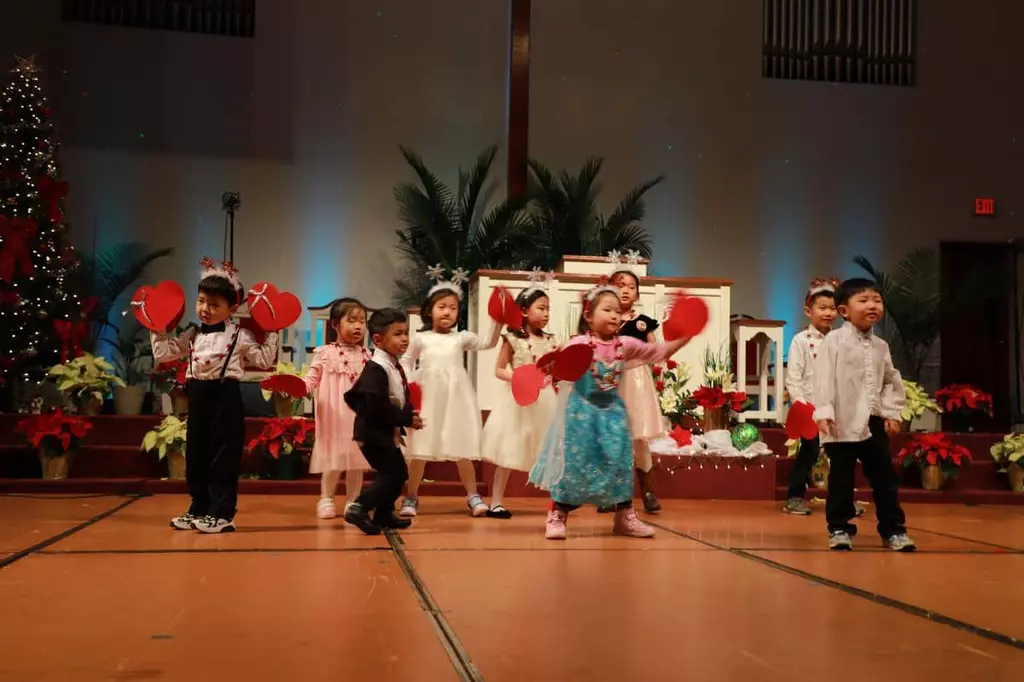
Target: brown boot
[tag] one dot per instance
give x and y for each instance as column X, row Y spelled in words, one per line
column 646, row 478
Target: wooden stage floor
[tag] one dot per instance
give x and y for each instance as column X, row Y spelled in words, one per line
column 99, row 588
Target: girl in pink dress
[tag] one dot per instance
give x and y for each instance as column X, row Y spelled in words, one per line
column 334, row 370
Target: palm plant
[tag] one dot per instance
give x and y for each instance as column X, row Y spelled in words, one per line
column 565, row 219
column 455, row 229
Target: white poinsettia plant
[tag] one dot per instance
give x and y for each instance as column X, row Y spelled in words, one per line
column 168, row 436
column 917, row 401
column 87, row 376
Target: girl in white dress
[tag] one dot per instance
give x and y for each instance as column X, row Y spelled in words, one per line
column 451, row 417
column 514, row 433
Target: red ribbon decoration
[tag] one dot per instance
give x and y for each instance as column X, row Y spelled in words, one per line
column 51, row 192
column 71, row 335
column 16, row 232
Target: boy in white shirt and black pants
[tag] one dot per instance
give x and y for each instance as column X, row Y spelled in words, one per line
column 859, row 396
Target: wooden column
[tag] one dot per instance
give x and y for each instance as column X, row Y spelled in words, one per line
column 518, row 114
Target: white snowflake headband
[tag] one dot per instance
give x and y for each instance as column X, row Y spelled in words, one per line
column 226, row 269
column 454, row 285
column 602, row 287
column 628, row 263
column 821, row 285
column 539, row 281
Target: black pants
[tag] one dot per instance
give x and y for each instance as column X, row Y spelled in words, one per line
column 386, row 487
column 215, row 438
column 806, row 456
column 876, row 462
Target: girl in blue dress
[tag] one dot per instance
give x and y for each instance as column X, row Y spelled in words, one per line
column 587, row 455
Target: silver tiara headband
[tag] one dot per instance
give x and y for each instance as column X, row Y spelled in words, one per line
column 628, row 263
column 454, row 285
column 539, row 281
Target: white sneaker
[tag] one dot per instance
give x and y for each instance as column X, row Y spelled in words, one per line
column 408, row 508
column 477, row 506
column 840, row 540
column 555, row 527
column 325, row 509
column 184, row 522
column 900, row 542
column 209, row 524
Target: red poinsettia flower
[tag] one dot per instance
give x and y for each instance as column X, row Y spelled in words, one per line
column 55, row 426
column 963, row 397
column 736, row 400
column 681, row 436
column 710, row 397
column 281, row 431
column 934, row 449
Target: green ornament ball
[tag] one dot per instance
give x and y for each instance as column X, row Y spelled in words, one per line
column 745, row 435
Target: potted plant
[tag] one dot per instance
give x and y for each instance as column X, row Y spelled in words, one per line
column 963, row 402
column 284, row 405
column 56, row 437
column 86, row 381
column 675, row 400
column 917, row 403
column 169, row 378
column 279, row 440
column 168, row 440
column 938, row 457
column 1009, row 452
column 130, row 353
column 717, row 396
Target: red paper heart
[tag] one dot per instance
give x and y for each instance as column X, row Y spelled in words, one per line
column 289, row 384
column 513, row 314
column 800, row 421
column 159, row 308
column 546, row 361
column 527, row 380
column 687, row 319
column 271, row 309
column 572, row 362
column 496, row 304
column 415, row 396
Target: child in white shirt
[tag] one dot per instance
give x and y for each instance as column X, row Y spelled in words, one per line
column 859, row 396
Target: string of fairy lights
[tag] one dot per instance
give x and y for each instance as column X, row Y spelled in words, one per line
column 28, row 153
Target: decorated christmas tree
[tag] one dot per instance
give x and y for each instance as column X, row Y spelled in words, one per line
column 42, row 318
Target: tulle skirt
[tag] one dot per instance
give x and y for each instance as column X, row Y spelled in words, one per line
column 637, row 389
column 513, row 433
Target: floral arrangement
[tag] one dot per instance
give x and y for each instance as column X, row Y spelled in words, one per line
column 719, row 388
column 964, row 398
column 1010, row 450
column 934, row 449
column 286, row 368
column 282, row 435
column 918, row 401
column 675, row 400
column 54, row 433
column 168, row 436
column 169, row 375
column 85, row 378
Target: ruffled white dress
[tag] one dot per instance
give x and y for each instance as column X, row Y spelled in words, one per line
column 514, row 433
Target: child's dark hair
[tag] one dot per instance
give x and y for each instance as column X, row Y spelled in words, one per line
column 628, row 273
column 340, row 309
column 428, row 306
column 381, row 319
column 851, row 287
column 524, row 300
column 583, row 327
column 813, row 298
column 216, row 285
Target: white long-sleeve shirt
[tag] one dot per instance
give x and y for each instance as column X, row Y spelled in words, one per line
column 854, row 380
column 803, row 350
column 208, row 352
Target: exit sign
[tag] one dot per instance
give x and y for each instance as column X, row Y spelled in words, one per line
column 984, row 206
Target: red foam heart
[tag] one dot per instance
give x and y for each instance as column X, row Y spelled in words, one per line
column 687, row 319
column 800, row 421
column 496, row 304
column 572, row 362
column 159, row 308
column 513, row 314
column 527, row 380
column 546, row 361
column 271, row 309
column 415, row 396
column 289, row 384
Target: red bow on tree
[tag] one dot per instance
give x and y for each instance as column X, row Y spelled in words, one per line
column 16, row 232
column 51, row 192
column 72, row 334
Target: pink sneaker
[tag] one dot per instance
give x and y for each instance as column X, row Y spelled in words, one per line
column 629, row 524
column 325, row 509
column 555, row 529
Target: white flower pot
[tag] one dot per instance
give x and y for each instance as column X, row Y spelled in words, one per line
column 129, row 399
column 929, row 421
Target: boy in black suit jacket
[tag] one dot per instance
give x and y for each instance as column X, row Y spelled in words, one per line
column 380, row 399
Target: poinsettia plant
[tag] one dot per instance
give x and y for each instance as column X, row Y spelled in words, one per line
column 54, row 433
column 719, row 388
column 1010, row 450
column 280, row 436
column 937, row 450
column 169, row 375
column 917, row 401
column 674, row 398
column 964, row 398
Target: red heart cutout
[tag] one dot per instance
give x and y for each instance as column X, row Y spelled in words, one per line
column 271, row 309
column 546, row 361
column 501, row 306
column 572, row 362
column 513, row 314
column 289, row 384
column 687, row 319
column 800, row 421
column 160, row 308
column 415, row 396
column 527, row 381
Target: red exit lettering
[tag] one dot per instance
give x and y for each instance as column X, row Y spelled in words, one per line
column 984, row 207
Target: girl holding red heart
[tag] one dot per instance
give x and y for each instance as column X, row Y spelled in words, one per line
column 335, row 368
column 513, row 433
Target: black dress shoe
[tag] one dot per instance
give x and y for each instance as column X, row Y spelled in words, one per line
column 358, row 517
column 390, row 520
